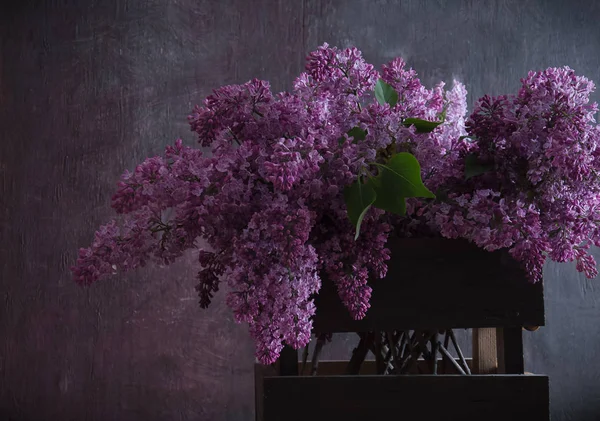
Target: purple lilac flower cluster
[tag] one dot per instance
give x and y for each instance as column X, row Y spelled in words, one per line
column 541, row 195
column 265, row 210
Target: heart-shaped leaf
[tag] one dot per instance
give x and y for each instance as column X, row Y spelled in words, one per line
column 386, row 200
column 398, row 179
column 385, row 94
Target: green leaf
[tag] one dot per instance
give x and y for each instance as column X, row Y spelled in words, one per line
column 474, row 167
column 441, row 195
column 404, row 171
column 386, row 200
column 398, row 179
column 422, row 126
column 359, row 197
column 357, row 133
column 385, row 94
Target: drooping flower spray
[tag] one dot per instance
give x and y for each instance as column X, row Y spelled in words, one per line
column 312, row 182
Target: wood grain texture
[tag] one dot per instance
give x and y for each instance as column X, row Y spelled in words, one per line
column 88, row 89
column 485, row 354
column 427, row 398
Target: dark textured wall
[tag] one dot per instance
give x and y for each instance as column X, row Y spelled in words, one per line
column 89, row 88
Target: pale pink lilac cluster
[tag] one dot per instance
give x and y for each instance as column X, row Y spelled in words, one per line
column 265, row 210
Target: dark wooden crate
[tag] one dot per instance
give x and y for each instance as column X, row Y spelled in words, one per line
column 439, row 283
column 441, row 397
column 431, row 284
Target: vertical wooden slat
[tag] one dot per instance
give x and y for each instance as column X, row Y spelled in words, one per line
column 500, row 350
column 288, row 362
column 485, row 360
column 513, row 350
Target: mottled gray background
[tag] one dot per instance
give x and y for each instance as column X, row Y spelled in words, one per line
column 89, row 88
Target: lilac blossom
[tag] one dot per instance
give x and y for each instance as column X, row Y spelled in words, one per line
column 264, row 207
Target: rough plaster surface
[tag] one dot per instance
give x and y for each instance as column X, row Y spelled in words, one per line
column 88, row 89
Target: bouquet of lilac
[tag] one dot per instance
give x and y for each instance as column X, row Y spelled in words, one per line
column 312, row 182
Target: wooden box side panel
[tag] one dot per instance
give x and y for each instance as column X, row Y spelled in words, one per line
column 359, row 398
column 439, row 283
